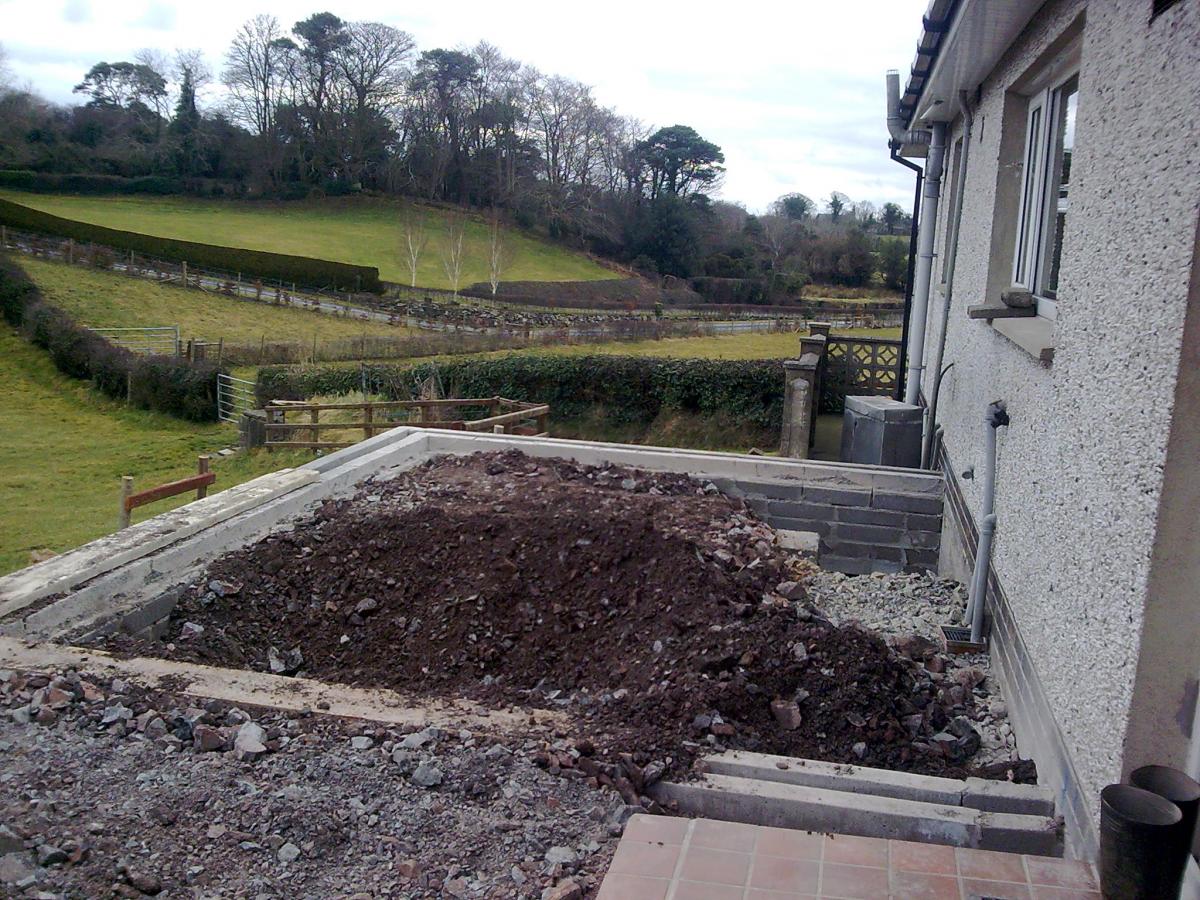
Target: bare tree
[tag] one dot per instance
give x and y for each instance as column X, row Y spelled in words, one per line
column 778, row 236
column 452, row 248
column 500, row 252
column 191, row 64
column 5, row 71
column 372, row 63
column 254, row 67
column 415, row 236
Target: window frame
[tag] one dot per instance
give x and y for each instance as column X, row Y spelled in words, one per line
column 1030, row 252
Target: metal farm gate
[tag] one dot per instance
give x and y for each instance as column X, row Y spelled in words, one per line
column 154, row 341
column 234, row 397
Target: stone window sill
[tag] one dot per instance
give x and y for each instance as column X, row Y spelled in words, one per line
column 1021, row 325
column 1033, row 334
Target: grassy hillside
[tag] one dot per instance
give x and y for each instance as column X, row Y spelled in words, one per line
column 107, row 299
column 359, row 230
column 68, row 447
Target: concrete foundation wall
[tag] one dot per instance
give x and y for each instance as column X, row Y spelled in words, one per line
column 862, row 529
column 126, row 580
column 1081, row 468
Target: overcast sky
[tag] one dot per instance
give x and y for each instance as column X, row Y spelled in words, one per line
column 792, row 91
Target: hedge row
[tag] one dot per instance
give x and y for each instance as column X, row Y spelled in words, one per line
column 56, row 183
column 303, row 270
column 630, row 389
column 162, row 383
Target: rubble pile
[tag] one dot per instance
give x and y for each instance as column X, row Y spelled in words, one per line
column 658, row 613
column 115, row 791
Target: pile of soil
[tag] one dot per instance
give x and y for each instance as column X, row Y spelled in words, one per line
column 658, row 612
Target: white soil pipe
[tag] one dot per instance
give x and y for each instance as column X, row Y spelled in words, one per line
column 924, row 271
column 960, row 182
column 997, row 415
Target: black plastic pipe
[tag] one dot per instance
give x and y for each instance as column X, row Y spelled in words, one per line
column 912, row 259
column 1182, row 790
column 1135, row 829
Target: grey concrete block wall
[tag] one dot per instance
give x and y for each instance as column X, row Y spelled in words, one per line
column 893, row 527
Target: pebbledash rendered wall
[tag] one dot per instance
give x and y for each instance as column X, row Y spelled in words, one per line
column 1081, row 467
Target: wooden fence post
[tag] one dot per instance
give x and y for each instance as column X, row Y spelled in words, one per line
column 368, row 421
column 126, row 493
column 202, row 469
column 497, row 429
column 184, row 265
column 315, row 415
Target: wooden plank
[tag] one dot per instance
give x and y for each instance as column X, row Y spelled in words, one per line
column 506, row 418
column 170, row 489
column 326, row 426
column 285, row 406
column 312, row 445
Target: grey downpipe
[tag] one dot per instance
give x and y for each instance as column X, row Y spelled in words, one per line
column 960, row 181
column 901, row 136
column 997, row 415
column 920, row 310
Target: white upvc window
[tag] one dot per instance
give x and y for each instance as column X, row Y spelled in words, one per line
column 1046, row 190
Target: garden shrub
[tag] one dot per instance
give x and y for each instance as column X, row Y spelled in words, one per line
column 630, row 389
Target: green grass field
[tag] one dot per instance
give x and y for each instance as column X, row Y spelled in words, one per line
column 360, row 230
column 106, row 299
column 757, row 345
column 67, row 447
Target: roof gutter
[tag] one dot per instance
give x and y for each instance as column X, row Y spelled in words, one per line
column 936, row 25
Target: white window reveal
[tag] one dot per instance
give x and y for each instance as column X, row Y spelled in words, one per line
column 1046, row 191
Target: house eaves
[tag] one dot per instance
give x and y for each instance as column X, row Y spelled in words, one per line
column 961, row 42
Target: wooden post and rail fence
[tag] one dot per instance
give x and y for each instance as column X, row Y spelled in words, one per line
column 131, row 501
column 504, row 416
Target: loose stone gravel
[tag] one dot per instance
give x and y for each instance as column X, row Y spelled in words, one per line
column 90, row 808
column 906, row 604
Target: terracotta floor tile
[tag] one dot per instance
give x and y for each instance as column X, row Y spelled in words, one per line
column 924, row 886
column 789, row 843
column 723, row 835
column 653, row 860
column 632, row 887
column 697, row 890
column 656, row 829
column 999, row 890
column 755, row 894
column 1041, row 892
column 1060, row 873
column 988, row 865
column 933, row 858
column 716, row 866
column 775, row 873
column 856, row 851
column 855, row 882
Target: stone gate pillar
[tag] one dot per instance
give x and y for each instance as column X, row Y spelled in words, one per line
column 800, row 396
